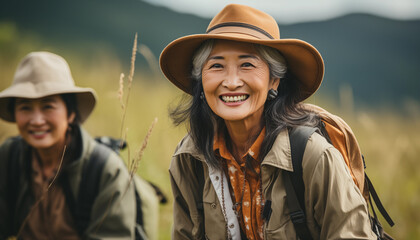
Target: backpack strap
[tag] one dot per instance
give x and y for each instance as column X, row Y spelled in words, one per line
column 89, row 190
column 199, row 171
column 13, row 180
column 378, row 203
column 295, row 188
column 89, row 186
column 140, row 234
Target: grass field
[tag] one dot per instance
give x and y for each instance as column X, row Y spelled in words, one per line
column 390, row 142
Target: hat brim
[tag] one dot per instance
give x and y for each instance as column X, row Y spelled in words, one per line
column 304, row 62
column 85, row 97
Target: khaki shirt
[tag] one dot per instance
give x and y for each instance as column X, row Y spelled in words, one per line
column 335, row 208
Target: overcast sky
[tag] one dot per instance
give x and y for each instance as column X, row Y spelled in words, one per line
column 294, row 11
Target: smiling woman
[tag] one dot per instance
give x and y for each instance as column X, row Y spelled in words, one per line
column 48, row 109
column 247, row 86
column 43, row 123
column 236, row 81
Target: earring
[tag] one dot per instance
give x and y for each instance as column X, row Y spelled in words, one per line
column 202, row 95
column 69, row 128
column 272, row 94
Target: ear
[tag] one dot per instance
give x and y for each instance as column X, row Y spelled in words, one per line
column 72, row 117
column 274, row 83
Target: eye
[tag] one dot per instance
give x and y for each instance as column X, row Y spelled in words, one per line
column 48, row 106
column 23, row 107
column 247, row 64
column 216, row 65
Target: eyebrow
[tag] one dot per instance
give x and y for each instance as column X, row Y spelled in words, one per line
column 48, row 99
column 241, row 57
column 22, row 100
column 248, row 56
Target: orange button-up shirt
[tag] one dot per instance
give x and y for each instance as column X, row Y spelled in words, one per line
column 250, row 208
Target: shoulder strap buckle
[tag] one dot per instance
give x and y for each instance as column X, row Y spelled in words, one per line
column 298, row 217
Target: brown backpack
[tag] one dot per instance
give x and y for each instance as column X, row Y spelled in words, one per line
column 340, row 135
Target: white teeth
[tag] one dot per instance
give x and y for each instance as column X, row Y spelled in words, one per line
column 234, row 98
column 39, row 132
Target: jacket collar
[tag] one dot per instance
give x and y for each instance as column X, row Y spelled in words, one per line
column 86, row 149
column 279, row 156
column 187, row 146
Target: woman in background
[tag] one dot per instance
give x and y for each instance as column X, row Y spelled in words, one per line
column 48, row 110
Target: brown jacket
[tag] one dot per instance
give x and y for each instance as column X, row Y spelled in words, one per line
column 335, row 207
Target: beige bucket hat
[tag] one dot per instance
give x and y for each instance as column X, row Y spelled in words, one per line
column 42, row 74
column 245, row 24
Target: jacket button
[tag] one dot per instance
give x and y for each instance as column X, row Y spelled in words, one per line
column 213, row 205
column 232, row 225
column 217, row 178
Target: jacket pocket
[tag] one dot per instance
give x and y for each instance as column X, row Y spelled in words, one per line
column 214, row 222
column 280, row 226
column 285, row 231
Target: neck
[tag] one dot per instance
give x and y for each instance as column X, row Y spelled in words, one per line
column 243, row 134
column 50, row 158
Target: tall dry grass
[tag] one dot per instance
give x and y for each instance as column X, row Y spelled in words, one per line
column 133, row 163
column 123, row 99
column 124, row 104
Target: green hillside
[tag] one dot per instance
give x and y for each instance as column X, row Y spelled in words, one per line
column 378, row 58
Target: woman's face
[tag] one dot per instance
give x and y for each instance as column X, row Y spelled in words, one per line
column 236, row 81
column 43, row 122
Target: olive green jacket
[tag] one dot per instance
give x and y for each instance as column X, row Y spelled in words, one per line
column 116, row 223
column 335, row 207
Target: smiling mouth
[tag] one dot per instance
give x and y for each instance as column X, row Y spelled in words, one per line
column 230, row 99
column 38, row 133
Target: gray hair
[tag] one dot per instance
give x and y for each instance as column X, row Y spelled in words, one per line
column 199, row 58
column 274, row 59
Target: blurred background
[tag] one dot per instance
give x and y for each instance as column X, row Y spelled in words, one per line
column 371, row 51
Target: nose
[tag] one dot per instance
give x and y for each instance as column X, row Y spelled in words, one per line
column 232, row 80
column 37, row 117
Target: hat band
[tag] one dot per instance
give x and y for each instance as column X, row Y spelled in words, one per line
column 241, row 28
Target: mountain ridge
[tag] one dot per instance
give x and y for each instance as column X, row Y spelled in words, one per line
column 376, row 56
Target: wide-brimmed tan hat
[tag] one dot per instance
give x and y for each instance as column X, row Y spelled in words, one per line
column 42, row 74
column 245, row 24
